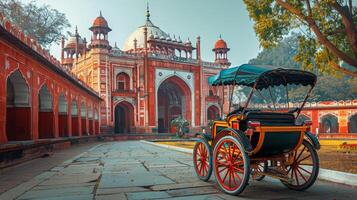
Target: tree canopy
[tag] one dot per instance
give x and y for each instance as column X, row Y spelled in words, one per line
column 329, row 27
column 327, row 88
column 43, row 23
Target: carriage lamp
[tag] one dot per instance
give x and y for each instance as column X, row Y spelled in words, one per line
column 253, row 124
column 235, row 125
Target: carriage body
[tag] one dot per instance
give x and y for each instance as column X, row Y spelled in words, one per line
column 252, row 143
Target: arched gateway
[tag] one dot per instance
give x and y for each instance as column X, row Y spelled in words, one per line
column 18, row 111
column 124, row 117
column 173, row 100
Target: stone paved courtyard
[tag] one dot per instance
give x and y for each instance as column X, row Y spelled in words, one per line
column 135, row 170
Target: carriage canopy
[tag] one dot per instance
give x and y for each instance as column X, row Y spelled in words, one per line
column 263, row 75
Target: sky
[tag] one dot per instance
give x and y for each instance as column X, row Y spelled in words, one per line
column 187, row 18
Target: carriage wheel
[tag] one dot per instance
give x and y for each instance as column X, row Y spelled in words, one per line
column 304, row 169
column 231, row 165
column 202, row 159
column 260, row 167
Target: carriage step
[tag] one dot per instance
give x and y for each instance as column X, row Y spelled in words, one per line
column 277, row 175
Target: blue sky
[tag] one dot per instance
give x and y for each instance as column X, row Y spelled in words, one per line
column 187, row 18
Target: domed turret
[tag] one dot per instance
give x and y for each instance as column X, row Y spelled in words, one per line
column 100, row 22
column 100, row 31
column 221, row 49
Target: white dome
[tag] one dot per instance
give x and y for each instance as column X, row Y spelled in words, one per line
column 138, row 34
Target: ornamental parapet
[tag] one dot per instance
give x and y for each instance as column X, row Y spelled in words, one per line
column 118, row 52
column 173, row 58
column 35, row 46
column 211, row 65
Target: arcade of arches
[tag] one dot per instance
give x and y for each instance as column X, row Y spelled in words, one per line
column 39, row 98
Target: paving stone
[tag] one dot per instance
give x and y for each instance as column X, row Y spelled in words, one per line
column 106, row 191
column 120, row 196
column 147, row 195
column 57, row 192
column 131, row 180
column 192, row 191
column 74, row 197
column 62, row 179
column 202, row 197
column 180, row 186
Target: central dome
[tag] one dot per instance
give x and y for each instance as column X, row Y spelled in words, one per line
column 138, row 34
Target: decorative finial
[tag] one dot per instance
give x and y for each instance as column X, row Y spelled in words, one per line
column 115, row 45
column 76, row 31
column 147, row 11
column 100, row 13
column 220, row 36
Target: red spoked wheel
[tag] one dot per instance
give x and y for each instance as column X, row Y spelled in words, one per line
column 231, row 165
column 304, row 169
column 202, row 159
column 259, row 168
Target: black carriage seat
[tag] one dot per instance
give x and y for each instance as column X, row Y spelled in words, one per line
column 268, row 119
column 271, row 118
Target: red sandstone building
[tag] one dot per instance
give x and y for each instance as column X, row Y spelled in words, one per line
column 153, row 79
column 97, row 87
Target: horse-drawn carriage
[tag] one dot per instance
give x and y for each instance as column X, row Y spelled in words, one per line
column 258, row 142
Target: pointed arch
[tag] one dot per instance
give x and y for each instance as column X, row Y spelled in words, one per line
column 18, row 108
column 328, row 124
column 75, row 118
column 124, row 117
column 84, row 119
column 173, row 99
column 352, row 124
column 212, row 112
column 46, row 115
column 90, row 119
column 122, row 81
column 62, row 115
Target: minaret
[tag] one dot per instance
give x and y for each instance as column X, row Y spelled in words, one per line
column 100, row 30
column 220, row 49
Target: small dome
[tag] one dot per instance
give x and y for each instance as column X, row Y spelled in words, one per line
column 188, row 42
column 100, row 22
column 174, row 39
column 156, row 36
column 168, row 38
column 72, row 42
column 220, row 44
column 151, row 36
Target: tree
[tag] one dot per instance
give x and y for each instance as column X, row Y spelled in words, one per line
column 329, row 30
column 328, row 88
column 40, row 22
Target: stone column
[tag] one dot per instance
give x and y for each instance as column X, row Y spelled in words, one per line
column 3, row 138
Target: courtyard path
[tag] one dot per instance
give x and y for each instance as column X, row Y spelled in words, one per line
column 135, row 170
